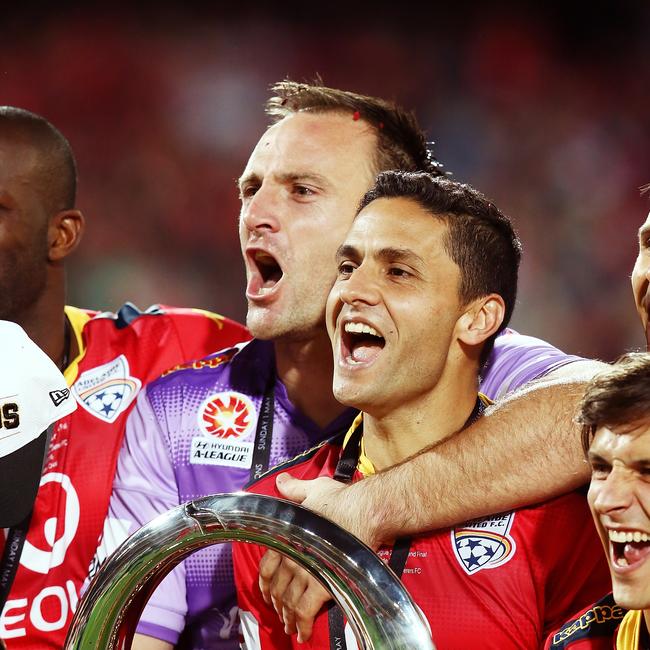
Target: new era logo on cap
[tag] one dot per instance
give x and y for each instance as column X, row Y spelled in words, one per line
column 59, row 396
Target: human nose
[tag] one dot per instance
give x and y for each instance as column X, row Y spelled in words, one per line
column 360, row 287
column 615, row 493
column 260, row 212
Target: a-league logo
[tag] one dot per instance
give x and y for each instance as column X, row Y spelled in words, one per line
column 226, row 415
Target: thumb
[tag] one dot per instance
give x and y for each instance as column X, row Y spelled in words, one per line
column 291, row 488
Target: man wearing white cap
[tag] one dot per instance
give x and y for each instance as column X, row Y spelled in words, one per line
column 106, row 359
column 33, row 395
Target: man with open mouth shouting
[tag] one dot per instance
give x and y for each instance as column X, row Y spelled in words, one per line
column 212, row 426
column 431, row 264
column 615, row 414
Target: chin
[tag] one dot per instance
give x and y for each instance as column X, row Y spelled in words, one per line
column 632, row 597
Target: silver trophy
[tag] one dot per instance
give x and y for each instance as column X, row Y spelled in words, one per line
column 381, row 613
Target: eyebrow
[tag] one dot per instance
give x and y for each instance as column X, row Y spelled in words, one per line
column 387, row 254
column 287, row 177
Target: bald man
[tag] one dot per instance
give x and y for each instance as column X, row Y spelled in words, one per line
column 106, row 359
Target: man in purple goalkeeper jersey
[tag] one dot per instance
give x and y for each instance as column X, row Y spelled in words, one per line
column 193, row 432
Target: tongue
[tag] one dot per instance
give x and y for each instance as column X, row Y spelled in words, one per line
column 635, row 551
column 365, row 351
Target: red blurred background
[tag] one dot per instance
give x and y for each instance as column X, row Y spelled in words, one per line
column 546, row 109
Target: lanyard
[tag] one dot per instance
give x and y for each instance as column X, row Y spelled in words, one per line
column 11, row 557
column 14, row 545
column 344, row 472
column 264, row 432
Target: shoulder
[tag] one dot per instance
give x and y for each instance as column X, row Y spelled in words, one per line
column 593, row 627
column 218, row 367
column 130, row 316
column 516, row 360
column 318, row 461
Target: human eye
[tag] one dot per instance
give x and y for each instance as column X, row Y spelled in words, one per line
column 399, row 272
column 303, row 191
column 346, row 268
column 248, row 190
column 599, row 469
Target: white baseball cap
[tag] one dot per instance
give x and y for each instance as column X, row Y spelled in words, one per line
column 33, row 395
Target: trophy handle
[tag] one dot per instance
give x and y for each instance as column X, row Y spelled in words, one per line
column 380, row 611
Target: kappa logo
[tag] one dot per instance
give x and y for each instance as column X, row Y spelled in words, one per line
column 59, row 396
column 226, row 415
column 107, row 390
column 484, row 544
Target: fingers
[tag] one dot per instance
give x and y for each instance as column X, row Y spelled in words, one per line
column 269, row 564
column 291, row 488
column 295, row 595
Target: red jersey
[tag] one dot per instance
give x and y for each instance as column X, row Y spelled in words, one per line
column 500, row 582
column 119, row 353
column 594, row 628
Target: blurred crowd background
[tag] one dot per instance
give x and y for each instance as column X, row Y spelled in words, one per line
column 544, row 108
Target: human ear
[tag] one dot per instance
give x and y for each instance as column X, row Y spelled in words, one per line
column 64, row 234
column 481, row 319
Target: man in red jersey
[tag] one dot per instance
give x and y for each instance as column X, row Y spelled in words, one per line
column 106, row 359
column 431, row 264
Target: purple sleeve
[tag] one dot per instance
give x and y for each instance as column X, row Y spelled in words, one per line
column 516, row 360
column 144, row 486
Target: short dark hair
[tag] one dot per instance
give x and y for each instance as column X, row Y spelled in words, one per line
column 616, row 397
column 57, row 166
column 401, row 143
column 480, row 238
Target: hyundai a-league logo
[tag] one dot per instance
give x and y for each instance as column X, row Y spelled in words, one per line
column 107, row 390
column 484, row 544
column 226, row 415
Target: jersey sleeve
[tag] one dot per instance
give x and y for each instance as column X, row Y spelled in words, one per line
column 198, row 330
column 517, row 360
column 593, row 628
column 261, row 628
column 145, row 486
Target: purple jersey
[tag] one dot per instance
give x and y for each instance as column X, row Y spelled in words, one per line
column 192, row 433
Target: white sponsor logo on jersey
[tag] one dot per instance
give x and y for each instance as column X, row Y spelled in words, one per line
column 107, row 390
column 41, row 560
column 484, row 544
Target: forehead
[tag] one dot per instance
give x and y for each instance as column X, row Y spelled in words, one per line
column 626, row 443
column 325, row 143
column 18, row 157
column 399, row 222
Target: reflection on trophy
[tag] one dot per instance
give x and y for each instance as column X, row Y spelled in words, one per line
column 381, row 613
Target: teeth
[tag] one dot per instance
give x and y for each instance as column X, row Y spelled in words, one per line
column 361, row 328
column 625, row 537
column 264, row 258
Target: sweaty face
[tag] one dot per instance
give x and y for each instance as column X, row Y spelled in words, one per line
column 641, row 276
column 299, row 193
column 23, row 231
column 392, row 311
column 619, row 497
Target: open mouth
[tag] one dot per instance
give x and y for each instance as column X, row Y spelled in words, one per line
column 266, row 273
column 628, row 548
column 361, row 343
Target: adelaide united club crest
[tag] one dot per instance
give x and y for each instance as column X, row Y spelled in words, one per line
column 485, row 543
column 106, row 391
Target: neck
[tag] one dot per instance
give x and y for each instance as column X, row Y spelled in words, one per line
column 44, row 323
column 305, row 368
column 417, row 423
